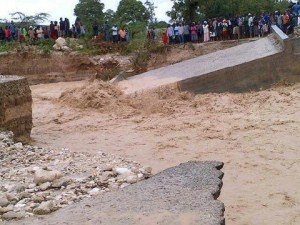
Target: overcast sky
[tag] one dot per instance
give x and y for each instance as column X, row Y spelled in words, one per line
column 64, row 8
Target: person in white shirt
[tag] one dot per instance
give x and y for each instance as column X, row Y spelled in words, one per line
column 40, row 32
column 250, row 24
column 181, row 34
column 206, row 31
column 170, row 33
column 115, row 33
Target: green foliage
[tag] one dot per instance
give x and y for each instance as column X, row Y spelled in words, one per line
column 45, row 45
column 135, row 44
column 160, row 24
column 109, row 16
column 151, row 9
column 7, row 46
column 89, row 11
column 195, row 10
column 140, row 62
column 138, row 28
column 187, row 10
column 131, row 12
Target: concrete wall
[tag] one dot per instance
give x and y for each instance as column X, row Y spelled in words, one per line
column 15, row 106
column 254, row 75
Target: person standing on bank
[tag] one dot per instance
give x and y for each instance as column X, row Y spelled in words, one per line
column 115, row 33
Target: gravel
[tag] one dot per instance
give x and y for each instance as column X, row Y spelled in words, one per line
column 39, row 181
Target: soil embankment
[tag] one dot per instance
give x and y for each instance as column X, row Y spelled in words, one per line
column 61, row 66
column 15, row 106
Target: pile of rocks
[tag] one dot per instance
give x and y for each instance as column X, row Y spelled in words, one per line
column 121, row 60
column 38, row 181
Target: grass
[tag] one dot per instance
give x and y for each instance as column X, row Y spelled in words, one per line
column 45, row 46
column 7, row 46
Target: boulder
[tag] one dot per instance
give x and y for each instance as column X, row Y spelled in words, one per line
column 5, row 209
column 66, row 48
column 12, row 197
column 131, row 179
column 61, row 42
column 44, row 208
column 60, row 182
column 56, row 47
column 13, row 215
column 3, row 201
column 37, row 198
column 42, row 176
column 45, row 186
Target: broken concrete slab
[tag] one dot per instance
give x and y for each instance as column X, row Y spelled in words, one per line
column 185, row 194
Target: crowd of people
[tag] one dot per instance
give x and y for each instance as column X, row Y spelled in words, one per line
column 62, row 28
column 218, row 28
column 54, row 30
column 247, row 26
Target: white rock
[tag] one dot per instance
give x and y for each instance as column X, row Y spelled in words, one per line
column 20, row 205
column 124, row 185
column 66, row 48
column 45, row 186
column 18, row 145
column 61, row 42
column 140, row 176
column 42, row 176
column 132, row 179
column 94, row 191
column 123, row 170
column 35, row 168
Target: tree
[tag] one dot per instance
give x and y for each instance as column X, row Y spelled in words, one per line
column 133, row 14
column 89, row 11
column 131, row 11
column 191, row 10
column 109, row 16
column 151, row 9
column 187, row 10
column 26, row 20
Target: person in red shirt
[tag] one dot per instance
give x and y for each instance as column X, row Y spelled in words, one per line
column 165, row 37
column 7, row 33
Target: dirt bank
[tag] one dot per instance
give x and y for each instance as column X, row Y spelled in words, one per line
column 255, row 134
column 64, row 66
